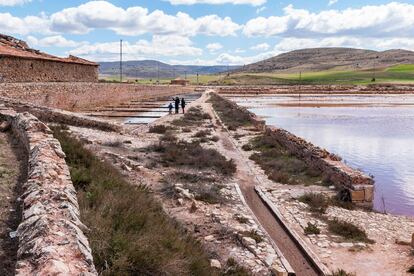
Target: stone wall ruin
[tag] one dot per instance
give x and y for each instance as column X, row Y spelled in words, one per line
column 51, row 235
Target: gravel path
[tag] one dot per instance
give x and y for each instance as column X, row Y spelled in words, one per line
column 247, row 182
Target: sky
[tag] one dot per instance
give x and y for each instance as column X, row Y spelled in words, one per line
column 205, row 32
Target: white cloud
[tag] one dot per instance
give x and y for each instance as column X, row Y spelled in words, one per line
column 132, row 21
column 13, row 2
column 332, row 2
column 217, row 2
column 53, row 41
column 10, row 24
column 389, row 20
column 137, row 20
column 291, row 43
column 213, row 47
column 239, row 51
column 159, row 46
column 261, row 47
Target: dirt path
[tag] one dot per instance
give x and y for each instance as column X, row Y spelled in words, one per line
column 247, row 181
column 9, row 218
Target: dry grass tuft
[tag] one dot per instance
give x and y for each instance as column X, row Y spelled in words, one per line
column 194, row 116
column 159, row 129
column 341, row 272
column 348, row 231
column 318, row 203
column 312, row 229
column 193, row 155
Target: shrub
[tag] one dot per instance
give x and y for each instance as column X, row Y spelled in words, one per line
column 160, row 129
column 113, row 144
column 254, row 235
column 348, row 231
column 279, row 164
column 129, row 234
column 341, row 272
column 215, row 138
column 202, row 134
column 247, row 147
column 234, row 269
column 207, row 193
column 195, row 156
column 312, row 229
column 241, row 219
column 194, row 116
column 318, row 203
column 168, row 137
column 186, row 129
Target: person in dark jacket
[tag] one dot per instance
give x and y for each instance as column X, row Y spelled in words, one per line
column 177, row 104
column 170, row 108
column 183, row 104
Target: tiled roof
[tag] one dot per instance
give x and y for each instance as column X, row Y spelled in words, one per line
column 10, row 46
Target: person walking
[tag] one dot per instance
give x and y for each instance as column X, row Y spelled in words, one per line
column 183, row 104
column 177, row 105
column 170, row 107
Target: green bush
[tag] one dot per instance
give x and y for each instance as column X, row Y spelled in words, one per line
column 318, row 203
column 348, row 231
column 312, row 229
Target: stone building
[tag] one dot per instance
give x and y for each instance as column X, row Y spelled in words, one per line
column 20, row 63
column 180, row 81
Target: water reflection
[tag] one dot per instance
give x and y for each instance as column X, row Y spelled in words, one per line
column 372, row 133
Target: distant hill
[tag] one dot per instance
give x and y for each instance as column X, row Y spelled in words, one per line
column 320, row 59
column 150, row 68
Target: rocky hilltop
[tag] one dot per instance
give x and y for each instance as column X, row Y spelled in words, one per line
column 319, row 59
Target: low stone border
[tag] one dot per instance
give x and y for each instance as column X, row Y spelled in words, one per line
column 360, row 186
column 60, row 116
column 51, row 238
column 298, row 240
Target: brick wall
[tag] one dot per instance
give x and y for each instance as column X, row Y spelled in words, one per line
column 80, row 96
column 14, row 69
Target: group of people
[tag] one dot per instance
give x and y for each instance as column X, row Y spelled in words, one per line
column 176, row 105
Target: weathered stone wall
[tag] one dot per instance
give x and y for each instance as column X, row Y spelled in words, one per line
column 15, row 69
column 51, row 238
column 81, row 96
column 343, row 176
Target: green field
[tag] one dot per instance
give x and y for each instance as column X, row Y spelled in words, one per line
column 403, row 74
column 396, row 74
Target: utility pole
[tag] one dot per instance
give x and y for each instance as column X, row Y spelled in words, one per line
column 375, row 60
column 197, row 79
column 120, row 60
column 185, row 74
column 158, row 73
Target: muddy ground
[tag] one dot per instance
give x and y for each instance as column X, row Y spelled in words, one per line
column 10, row 178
